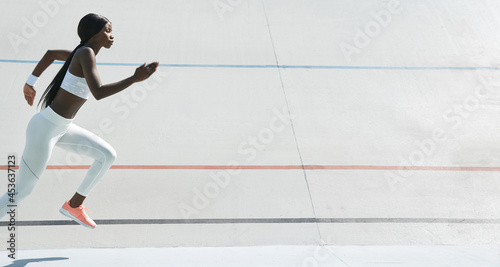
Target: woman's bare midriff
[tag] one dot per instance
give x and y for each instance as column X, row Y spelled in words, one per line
column 66, row 104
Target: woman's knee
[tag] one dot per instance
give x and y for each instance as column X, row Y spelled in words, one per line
column 110, row 155
column 26, row 180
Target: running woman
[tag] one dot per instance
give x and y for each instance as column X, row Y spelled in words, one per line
column 68, row 91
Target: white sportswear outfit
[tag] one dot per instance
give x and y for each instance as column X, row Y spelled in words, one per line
column 46, row 129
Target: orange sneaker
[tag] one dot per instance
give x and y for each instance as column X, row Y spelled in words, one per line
column 78, row 215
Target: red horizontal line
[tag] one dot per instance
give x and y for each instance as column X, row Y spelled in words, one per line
column 271, row 167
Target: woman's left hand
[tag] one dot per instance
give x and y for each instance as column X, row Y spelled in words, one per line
column 143, row 72
column 29, row 93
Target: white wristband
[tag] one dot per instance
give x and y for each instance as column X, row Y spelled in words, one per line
column 32, row 79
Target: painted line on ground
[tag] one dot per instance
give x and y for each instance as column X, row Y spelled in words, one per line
column 271, row 167
column 259, row 221
column 275, row 66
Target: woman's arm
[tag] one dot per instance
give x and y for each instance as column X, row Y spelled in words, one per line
column 99, row 91
column 43, row 64
column 48, row 58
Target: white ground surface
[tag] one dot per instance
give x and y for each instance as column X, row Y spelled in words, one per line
column 391, row 107
column 300, row 256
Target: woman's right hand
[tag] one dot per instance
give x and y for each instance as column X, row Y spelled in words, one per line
column 143, row 72
column 29, row 93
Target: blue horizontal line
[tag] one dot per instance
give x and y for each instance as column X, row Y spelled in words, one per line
column 274, row 66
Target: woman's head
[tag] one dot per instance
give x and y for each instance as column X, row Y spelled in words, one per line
column 91, row 25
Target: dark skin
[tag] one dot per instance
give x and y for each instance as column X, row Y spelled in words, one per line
column 83, row 64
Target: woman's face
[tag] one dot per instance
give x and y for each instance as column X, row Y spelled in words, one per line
column 105, row 36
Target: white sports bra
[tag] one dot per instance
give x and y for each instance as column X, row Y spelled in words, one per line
column 75, row 85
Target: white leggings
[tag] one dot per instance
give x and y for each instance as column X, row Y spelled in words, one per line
column 46, row 129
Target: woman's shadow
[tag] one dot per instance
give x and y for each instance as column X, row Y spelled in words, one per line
column 24, row 262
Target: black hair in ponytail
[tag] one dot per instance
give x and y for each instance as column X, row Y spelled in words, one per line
column 89, row 26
